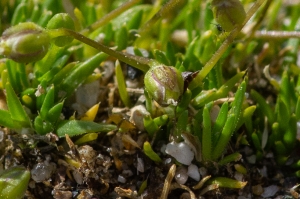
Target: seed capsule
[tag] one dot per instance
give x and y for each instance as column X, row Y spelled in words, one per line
column 228, row 13
column 25, row 42
column 61, row 20
column 164, row 84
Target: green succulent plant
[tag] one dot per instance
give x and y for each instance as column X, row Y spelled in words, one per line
column 195, row 85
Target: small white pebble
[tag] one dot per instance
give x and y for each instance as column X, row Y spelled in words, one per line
column 77, row 177
column 238, row 176
column 270, row 191
column 87, row 94
column 193, row 172
column 181, row 175
column 137, row 116
column 168, row 161
column 42, row 171
column 121, row 179
column 140, row 165
column 181, row 152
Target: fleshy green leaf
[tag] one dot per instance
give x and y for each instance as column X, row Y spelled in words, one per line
column 6, row 120
column 79, row 74
column 228, row 183
column 220, row 122
column 206, row 136
column 150, row 153
column 150, row 126
column 47, row 103
column 122, row 85
column 78, row 127
column 14, row 182
column 15, row 107
column 54, row 112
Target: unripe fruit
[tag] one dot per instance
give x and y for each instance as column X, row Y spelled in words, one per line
column 164, row 84
column 25, row 42
column 228, row 13
column 61, row 20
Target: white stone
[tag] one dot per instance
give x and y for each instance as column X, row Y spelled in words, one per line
column 121, row 179
column 181, row 152
column 193, row 172
column 181, row 175
column 42, row 171
column 270, row 191
column 140, row 165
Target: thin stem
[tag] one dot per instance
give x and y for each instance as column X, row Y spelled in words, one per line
column 141, row 63
column 107, row 18
column 276, row 34
column 215, row 58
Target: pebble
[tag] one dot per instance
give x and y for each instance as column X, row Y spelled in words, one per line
column 42, row 171
column 193, row 172
column 181, row 175
column 181, row 152
column 270, row 191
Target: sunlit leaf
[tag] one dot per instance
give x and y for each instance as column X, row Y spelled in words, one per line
column 15, row 107
column 78, row 127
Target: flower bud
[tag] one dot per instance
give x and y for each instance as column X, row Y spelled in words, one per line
column 164, row 84
column 61, row 20
column 25, row 42
column 228, row 13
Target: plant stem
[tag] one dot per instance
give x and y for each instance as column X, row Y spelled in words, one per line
column 276, row 34
column 107, row 18
column 215, row 58
column 141, row 63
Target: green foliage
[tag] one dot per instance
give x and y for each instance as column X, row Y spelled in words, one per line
column 227, row 182
column 150, row 153
column 122, row 85
column 14, row 182
column 61, row 20
column 15, row 108
column 78, row 127
column 186, row 77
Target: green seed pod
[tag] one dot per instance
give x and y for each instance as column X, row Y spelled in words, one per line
column 228, row 13
column 25, row 42
column 164, row 84
column 61, row 20
column 14, row 182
